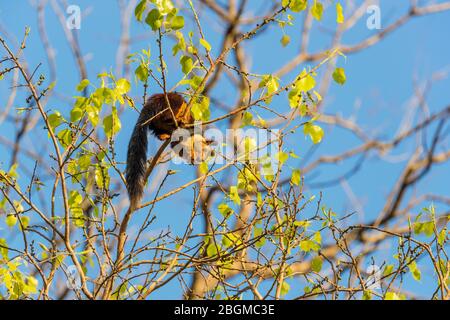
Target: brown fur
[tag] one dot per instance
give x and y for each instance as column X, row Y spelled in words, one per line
column 158, row 117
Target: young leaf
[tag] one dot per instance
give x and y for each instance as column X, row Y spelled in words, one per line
column 111, row 124
column 317, row 10
column 282, row 157
column 339, row 13
column 339, row 76
column 177, row 22
column 296, row 177
column 11, row 220
column 234, row 195
column 54, row 120
column 205, row 44
column 285, row 287
column 285, row 40
column 186, row 64
column 391, row 296
column 305, row 82
column 315, row 132
column 200, row 109
column 139, row 10
column 316, row 264
column 225, row 210
column 154, row 19
column 82, row 85
column 141, row 73
column 295, row 5
column 442, row 236
column 122, row 86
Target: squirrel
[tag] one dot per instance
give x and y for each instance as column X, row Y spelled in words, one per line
column 158, row 118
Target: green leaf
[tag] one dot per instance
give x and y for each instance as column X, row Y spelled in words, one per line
column 30, row 286
column 442, row 236
column 25, row 220
column 111, row 124
column 177, row 22
column 415, row 271
column 180, row 45
column 426, row 228
column 164, row 6
column 139, row 10
column 11, row 220
column 316, row 264
column 282, row 157
column 200, row 109
column 76, row 114
column 186, row 64
column 81, row 102
column 317, row 10
column 83, row 84
column 65, row 137
column 296, row 177
column 122, row 86
column 367, row 295
column 285, row 40
column 225, row 210
column 308, row 245
column 247, row 119
column 205, row 44
column 339, row 76
column 315, row 132
column 154, row 19
column 391, row 296
column 305, row 82
column 77, row 216
column 84, row 162
column 102, row 177
column 257, row 232
column 339, row 13
column 388, row 270
column 231, row 239
column 54, row 120
column 294, row 97
column 141, row 73
column 295, row 5
column 212, row 250
column 93, row 114
column 285, row 287
column 234, row 195
column 271, row 84
column 3, row 248
column 246, row 180
column 317, row 237
column 75, row 198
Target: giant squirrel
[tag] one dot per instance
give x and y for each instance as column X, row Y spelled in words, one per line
column 157, row 116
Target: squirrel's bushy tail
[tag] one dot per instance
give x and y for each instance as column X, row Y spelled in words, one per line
column 154, row 117
column 137, row 159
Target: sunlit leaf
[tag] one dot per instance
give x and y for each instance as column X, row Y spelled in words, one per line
column 186, row 64
column 339, row 76
column 317, row 10
column 83, row 84
column 339, row 13
column 314, row 131
column 11, row 220
column 205, row 44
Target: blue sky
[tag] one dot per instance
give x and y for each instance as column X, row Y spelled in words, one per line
column 380, row 80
